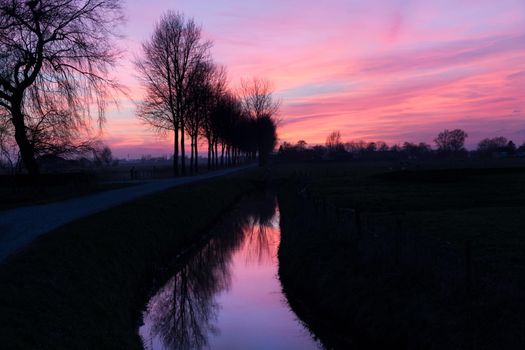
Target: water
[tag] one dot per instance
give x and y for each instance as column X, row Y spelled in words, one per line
column 227, row 295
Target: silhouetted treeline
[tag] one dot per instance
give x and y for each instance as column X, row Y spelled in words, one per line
column 55, row 63
column 187, row 95
column 447, row 144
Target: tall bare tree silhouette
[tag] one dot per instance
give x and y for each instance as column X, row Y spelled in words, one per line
column 55, row 57
column 260, row 104
column 170, row 66
column 257, row 98
column 218, row 88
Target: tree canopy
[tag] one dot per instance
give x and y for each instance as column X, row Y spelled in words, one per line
column 55, row 58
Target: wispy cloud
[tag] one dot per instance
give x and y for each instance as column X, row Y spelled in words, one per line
column 380, row 69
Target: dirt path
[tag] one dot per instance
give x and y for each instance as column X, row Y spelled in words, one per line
column 20, row 226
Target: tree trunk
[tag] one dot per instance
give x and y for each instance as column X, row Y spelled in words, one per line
column 182, row 149
column 196, row 145
column 176, row 152
column 222, row 154
column 209, row 154
column 213, row 165
column 216, row 154
column 27, row 151
column 191, row 156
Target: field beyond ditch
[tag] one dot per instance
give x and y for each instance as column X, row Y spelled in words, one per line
column 438, row 259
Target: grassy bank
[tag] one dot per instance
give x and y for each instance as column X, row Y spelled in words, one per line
column 18, row 191
column 436, row 258
column 83, row 285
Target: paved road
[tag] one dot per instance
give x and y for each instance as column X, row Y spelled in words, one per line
column 20, row 226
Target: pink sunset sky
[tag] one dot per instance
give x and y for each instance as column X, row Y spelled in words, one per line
column 391, row 70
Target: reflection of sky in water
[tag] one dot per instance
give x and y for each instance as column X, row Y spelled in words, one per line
column 228, row 295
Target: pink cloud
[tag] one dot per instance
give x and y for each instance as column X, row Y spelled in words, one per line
column 377, row 69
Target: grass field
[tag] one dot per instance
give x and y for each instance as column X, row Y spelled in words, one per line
column 428, row 234
column 83, row 285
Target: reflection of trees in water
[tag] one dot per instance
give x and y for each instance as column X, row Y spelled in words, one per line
column 259, row 231
column 184, row 311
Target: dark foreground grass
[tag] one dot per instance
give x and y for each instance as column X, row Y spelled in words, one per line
column 439, row 261
column 83, row 285
column 17, row 191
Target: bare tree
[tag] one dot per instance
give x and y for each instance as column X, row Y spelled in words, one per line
column 218, row 85
column 168, row 69
column 225, row 117
column 202, row 98
column 257, row 98
column 333, row 141
column 55, row 56
column 260, row 105
column 103, row 156
column 451, row 140
column 495, row 144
